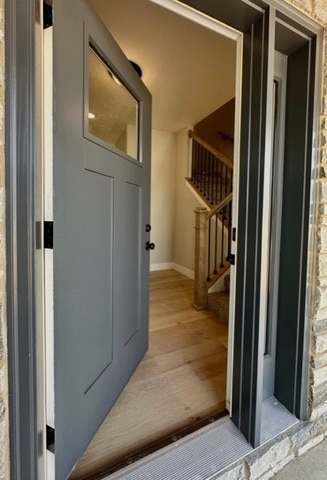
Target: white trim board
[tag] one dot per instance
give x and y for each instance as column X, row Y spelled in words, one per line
column 199, row 17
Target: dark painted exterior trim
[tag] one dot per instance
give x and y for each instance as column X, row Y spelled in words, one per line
column 295, row 222
column 246, row 397
column 20, row 134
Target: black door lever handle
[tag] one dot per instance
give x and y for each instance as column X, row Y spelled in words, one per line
column 149, row 246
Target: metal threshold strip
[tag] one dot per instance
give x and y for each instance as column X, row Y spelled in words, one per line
column 206, row 452
column 154, row 446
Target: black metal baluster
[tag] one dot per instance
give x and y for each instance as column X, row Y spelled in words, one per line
column 193, row 162
column 206, row 174
column 216, row 181
column 209, row 176
column 221, row 183
column 230, row 180
column 212, row 176
column 216, row 243
column 229, row 230
column 201, row 167
column 222, row 239
column 197, row 164
column 209, row 251
column 203, row 171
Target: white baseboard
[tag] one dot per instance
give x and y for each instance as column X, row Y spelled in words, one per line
column 161, row 266
column 184, row 271
column 172, row 266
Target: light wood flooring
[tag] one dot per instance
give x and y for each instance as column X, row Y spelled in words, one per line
column 181, row 379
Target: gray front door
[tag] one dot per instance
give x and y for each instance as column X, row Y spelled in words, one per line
column 101, row 175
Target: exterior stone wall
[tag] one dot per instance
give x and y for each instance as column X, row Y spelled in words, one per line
column 4, row 440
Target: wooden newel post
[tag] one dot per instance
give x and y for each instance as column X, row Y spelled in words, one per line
column 200, row 287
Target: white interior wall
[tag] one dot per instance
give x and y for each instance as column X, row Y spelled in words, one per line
column 172, row 203
column 185, row 205
column 162, row 198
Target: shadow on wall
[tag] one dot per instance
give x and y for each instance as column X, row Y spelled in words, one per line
column 217, row 129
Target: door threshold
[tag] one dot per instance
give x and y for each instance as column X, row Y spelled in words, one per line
column 207, row 452
column 154, row 447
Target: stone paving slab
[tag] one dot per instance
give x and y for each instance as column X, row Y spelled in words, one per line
column 312, row 465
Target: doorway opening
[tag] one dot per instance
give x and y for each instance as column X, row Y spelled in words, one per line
column 181, row 383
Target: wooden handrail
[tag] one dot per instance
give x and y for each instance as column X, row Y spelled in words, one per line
column 225, row 160
column 220, row 206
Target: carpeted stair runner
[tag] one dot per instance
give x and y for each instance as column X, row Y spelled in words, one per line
column 218, row 302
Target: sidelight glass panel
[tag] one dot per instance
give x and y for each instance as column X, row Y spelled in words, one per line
column 113, row 111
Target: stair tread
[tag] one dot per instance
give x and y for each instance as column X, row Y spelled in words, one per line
column 219, row 296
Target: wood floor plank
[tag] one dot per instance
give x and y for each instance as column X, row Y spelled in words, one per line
column 181, row 379
column 155, row 365
column 210, row 366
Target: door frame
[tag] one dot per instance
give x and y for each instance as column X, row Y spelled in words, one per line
column 24, row 239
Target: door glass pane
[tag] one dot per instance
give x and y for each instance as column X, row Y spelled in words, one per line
column 113, row 111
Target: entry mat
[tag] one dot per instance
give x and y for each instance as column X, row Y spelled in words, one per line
column 203, row 454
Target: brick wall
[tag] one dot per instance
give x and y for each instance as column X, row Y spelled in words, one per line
column 4, row 450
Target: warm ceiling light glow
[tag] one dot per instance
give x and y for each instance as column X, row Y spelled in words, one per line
column 91, row 116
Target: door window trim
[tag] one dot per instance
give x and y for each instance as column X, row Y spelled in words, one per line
column 91, row 43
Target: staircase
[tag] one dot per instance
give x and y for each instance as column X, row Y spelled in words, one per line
column 218, row 302
column 212, row 179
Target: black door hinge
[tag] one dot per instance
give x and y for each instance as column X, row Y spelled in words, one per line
column 234, row 235
column 48, row 234
column 50, row 432
column 38, row 235
column 47, row 15
column 232, row 258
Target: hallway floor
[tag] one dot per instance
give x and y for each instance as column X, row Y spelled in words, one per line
column 181, row 380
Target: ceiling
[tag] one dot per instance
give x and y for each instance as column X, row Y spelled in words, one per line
column 189, row 70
